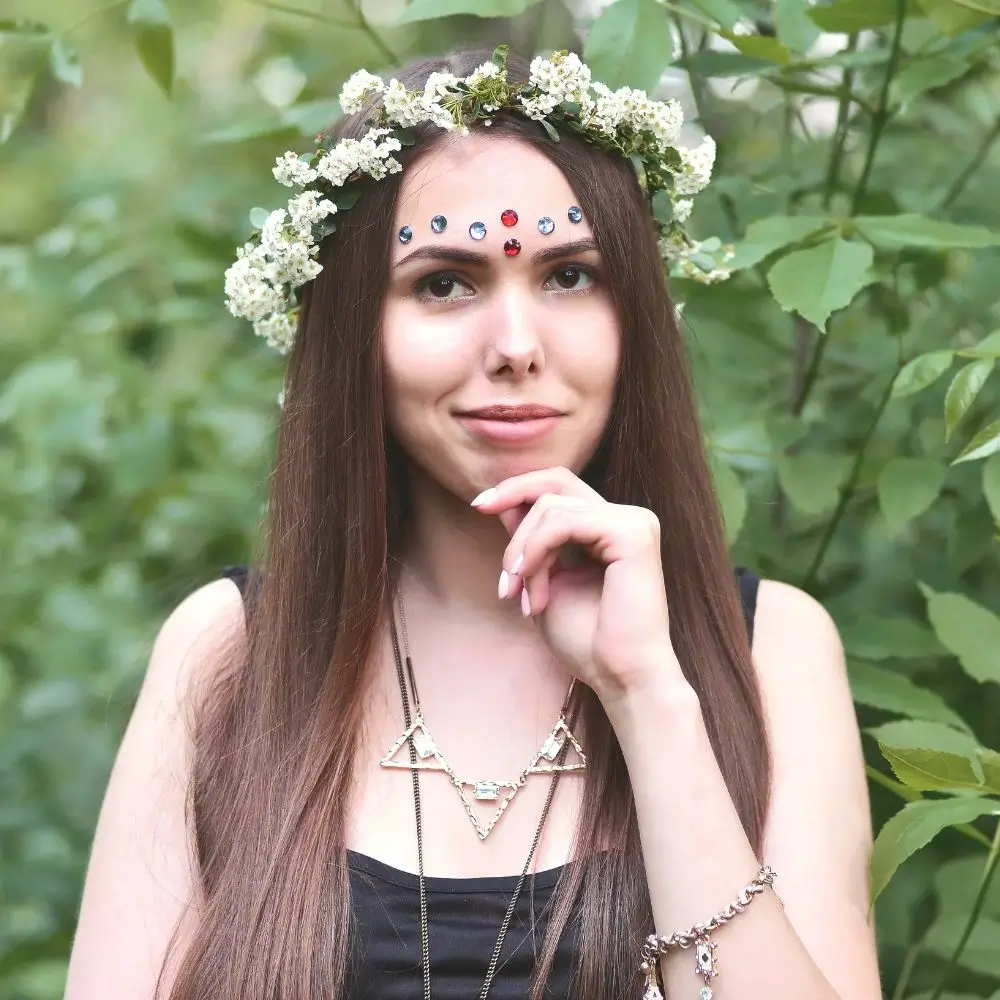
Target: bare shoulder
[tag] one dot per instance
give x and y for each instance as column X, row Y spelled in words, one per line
column 818, row 835
column 140, row 878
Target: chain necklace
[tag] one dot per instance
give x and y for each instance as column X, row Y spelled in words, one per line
column 425, row 963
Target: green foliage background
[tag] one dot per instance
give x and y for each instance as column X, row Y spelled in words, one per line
column 846, row 375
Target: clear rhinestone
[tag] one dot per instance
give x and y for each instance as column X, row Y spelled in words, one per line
column 405, row 234
column 546, row 225
column 575, row 213
column 424, row 745
column 477, row 230
column 551, row 747
column 652, row 992
column 705, row 993
column 488, row 791
column 439, row 223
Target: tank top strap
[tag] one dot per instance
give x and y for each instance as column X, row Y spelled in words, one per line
column 749, row 582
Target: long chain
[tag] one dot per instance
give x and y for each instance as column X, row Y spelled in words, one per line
column 424, row 929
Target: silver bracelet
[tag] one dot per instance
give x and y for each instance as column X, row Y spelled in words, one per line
column 699, row 937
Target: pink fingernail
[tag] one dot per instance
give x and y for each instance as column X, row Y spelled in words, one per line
column 503, row 587
column 525, row 603
column 518, row 563
column 485, row 497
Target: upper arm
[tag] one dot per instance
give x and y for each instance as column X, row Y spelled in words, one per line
column 140, row 876
column 818, row 835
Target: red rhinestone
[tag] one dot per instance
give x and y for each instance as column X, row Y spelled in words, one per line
column 509, row 217
column 512, row 248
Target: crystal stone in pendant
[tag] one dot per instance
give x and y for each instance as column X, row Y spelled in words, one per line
column 575, row 213
column 439, row 223
column 512, row 248
column 652, row 992
column 551, row 747
column 477, row 230
column 424, row 745
column 705, row 993
column 509, row 217
column 546, row 225
column 488, row 791
column 703, row 955
column 405, row 234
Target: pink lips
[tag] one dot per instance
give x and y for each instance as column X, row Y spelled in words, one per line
column 511, row 424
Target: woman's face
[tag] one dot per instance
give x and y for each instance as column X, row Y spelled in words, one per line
column 467, row 326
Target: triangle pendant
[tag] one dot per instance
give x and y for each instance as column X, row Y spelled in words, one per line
column 574, row 759
column 428, row 756
column 494, row 795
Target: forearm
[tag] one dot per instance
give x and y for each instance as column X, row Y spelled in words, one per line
column 698, row 857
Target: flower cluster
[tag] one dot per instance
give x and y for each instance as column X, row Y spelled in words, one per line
column 281, row 256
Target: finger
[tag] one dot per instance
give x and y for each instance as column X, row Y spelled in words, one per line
column 527, row 488
column 537, row 587
column 514, row 579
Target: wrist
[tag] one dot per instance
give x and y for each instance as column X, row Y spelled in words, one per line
column 657, row 694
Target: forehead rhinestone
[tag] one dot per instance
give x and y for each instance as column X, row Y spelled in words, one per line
column 509, row 217
column 546, row 225
column 512, row 248
column 477, row 230
column 575, row 214
column 439, row 223
column 405, row 234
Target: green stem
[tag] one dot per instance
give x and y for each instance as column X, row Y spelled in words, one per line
column 907, row 970
column 848, row 491
column 705, row 22
column 882, row 112
column 958, row 185
column 373, row 36
column 909, row 795
column 697, row 89
column 841, row 131
column 984, row 887
column 284, row 8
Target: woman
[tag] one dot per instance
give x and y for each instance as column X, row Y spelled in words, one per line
column 489, row 716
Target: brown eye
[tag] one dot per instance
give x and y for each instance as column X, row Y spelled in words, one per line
column 441, row 286
column 568, row 278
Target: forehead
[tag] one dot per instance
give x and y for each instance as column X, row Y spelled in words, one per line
column 472, row 178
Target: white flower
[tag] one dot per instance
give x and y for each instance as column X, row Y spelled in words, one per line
column 357, row 87
column 564, row 77
column 290, row 170
column 307, row 209
column 248, row 293
column 439, row 85
column 488, row 71
column 682, row 209
column 696, row 168
column 279, row 332
column 538, row 107
column 405, row 107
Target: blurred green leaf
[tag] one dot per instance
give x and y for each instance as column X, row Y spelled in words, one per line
column 980, row 953
column 921, row 372
column 732, row 498
column 929, row 73
column 759, row 47
column 630, row 44
column 426, row 10
column 991, row 484
column 895, row 231
column 812, row 480
column 962, row 392
column 907, row 487
column 725, row 12
column 819, row 281
column 796, row 31
column 64, row 61
column 879, row 687
column 153, row 36
column 984, row 444
column 988, row 347
column 848, row 16
column 886, row 638
column 952, row 18
column 914, row 827
column 765, row 236
column 970, row 631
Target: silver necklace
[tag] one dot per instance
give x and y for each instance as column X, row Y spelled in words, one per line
column 425, row 963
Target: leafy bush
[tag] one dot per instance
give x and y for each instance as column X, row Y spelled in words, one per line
column 845, row 373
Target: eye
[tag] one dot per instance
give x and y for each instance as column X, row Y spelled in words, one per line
column 573, row 278
column 440, row 287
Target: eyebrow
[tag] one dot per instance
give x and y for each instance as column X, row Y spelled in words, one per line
column 462, row 255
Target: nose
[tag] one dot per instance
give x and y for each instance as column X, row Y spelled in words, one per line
column 515, row 342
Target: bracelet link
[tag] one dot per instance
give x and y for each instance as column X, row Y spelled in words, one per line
column 699, row 937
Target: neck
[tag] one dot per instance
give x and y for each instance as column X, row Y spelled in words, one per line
column 455, row 555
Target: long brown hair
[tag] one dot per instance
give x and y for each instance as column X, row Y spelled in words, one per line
column 276, row 740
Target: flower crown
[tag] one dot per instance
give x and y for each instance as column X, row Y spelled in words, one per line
column 280, row 256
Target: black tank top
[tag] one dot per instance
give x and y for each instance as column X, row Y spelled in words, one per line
column 464, row 915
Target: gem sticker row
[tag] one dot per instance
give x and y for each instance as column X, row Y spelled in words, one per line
column 509, row 218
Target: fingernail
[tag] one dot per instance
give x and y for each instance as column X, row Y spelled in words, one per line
column 485, row 497
column 518, row 563
column 504, row 585
column 525, row 603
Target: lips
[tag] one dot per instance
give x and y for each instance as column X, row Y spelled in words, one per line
column 514, row 414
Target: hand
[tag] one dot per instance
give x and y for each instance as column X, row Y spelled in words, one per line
column 590, row 573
